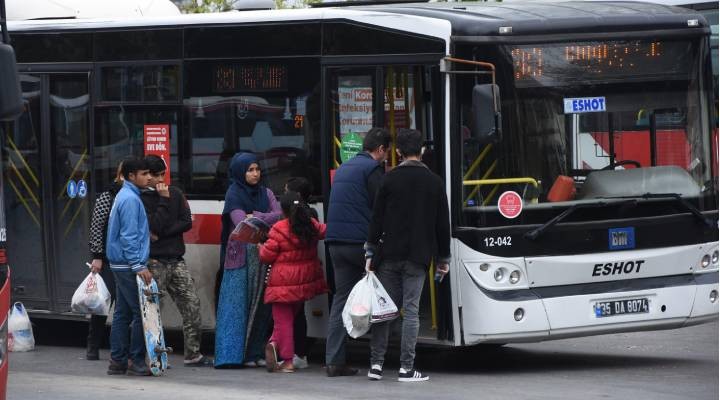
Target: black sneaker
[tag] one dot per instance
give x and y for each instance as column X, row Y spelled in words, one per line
column 139, row 370
column 93, row 353
column 412, row 376
column 116, row 368
column 375, row 372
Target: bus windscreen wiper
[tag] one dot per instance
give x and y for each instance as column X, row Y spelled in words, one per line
column 533, row 234
column 680, row 200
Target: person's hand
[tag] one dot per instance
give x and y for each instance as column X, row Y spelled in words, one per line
column 96, row 265
column 146, row 276
column 163, row 190
column 153, row 237
column 369, row 265
column 248, row 216
column 442, row 269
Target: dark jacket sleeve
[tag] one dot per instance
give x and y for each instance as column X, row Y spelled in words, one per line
column 183, row 222
column 378, row 216
column 159, row 215
column 98, row 224
column 442, row 227
column 374, row 180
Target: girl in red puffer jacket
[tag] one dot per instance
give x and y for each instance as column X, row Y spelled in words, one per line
column 295, row 275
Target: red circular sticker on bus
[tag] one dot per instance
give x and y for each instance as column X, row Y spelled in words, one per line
column 510, row 204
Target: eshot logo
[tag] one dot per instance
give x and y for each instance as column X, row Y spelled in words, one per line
column 584, row 105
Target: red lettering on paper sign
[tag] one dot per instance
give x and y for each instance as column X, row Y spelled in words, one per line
column 510, row 204
column 157, row 142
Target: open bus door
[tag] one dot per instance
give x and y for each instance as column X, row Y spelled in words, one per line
column 4, row 307
column 11, row 107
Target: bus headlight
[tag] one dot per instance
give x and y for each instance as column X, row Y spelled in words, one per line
column 713, row 296
column 515, row 277
column 705, row 261
column 499, row 274
column 484, row 267
column 519, row 314
column 715, row 257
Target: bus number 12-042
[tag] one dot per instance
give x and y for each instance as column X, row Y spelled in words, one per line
column 498, row 241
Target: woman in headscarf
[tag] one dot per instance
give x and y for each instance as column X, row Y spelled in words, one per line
column 240, row 265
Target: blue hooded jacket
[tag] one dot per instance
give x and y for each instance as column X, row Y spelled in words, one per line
column 128, row 235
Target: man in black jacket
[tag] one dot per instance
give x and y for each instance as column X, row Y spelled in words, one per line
column 169, row 217
column 411, row 219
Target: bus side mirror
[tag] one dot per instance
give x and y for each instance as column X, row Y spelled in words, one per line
column 487, row 122
column 11, row 105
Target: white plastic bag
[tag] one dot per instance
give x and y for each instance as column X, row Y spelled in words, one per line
column 383, row 308
column 92, row 296
column 20, row 334
column 357, row 310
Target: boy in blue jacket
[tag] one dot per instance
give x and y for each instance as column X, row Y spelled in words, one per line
column 128, row 247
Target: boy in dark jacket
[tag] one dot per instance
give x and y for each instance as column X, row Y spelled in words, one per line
column 169, row 217
column 411, row 217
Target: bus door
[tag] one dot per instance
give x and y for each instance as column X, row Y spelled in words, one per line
column 394, row 97
column 46, row 165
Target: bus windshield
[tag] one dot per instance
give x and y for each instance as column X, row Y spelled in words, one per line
column 584, row 121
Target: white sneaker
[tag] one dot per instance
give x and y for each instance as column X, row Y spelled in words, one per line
column 261, row 362
column 375, row 372
column 412, row 375
column 300, row 362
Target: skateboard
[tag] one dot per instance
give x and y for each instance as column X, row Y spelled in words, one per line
column 156, row 354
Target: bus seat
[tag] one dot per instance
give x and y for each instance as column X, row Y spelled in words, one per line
column 563, row 189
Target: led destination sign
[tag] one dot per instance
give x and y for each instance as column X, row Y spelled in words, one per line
column 249, row 78
column 599, row 61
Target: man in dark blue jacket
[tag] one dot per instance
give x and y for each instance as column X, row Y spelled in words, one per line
column 128, row 247
column 351, row 202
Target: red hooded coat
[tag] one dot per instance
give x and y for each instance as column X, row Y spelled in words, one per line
column 296, row 274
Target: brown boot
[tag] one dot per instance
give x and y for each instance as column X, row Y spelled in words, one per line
column 271, row 357
column 286, row 366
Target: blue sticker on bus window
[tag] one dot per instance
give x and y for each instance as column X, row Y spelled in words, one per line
column 621, row 238
column 71, row 189
column 584, row 105
column 82, row 189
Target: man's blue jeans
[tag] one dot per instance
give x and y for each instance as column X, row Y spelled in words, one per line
column 127, row 315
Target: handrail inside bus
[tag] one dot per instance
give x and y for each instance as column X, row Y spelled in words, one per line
column 501, row 181
column 477, row 161
column 482, row 64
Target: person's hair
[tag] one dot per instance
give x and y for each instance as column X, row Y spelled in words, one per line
column 300, row 185
column 132, row 166
column 118, row 172
column 375, row 138
column 155, row 164
column 409, row 142
column 300, row 217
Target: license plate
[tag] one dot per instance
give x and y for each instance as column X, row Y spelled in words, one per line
column 619, row 307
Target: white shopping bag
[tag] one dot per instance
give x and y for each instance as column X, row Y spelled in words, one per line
column 383, row 308
column 92, row 296
column 20, row 334
column 357, row 310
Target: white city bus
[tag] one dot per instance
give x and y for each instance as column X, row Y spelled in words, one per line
column 610, row 100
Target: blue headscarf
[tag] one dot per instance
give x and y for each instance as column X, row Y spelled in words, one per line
column 241, row 195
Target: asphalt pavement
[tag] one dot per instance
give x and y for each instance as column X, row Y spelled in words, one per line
column 658, row 365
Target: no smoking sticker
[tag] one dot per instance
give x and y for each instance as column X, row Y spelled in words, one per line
column 510, row 204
